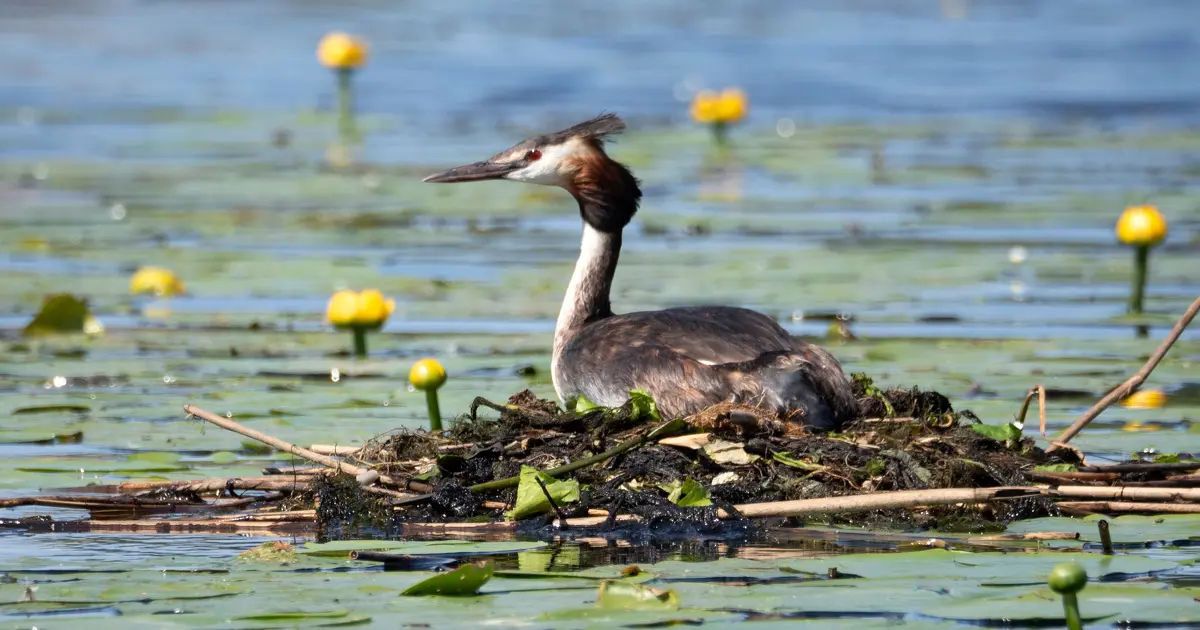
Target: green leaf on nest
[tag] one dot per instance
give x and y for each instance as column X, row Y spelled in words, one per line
column 690, row 493
column 530, row 498
column 465, row 580
column 583, row 405
column 1007, row 432
column 642, row 406
column 1056, row 468
column 788, row 460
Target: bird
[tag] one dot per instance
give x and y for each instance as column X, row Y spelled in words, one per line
column 686, row 358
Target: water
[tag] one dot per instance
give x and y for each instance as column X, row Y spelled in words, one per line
column 979, row 258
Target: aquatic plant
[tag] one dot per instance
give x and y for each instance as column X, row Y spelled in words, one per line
column 344, row 54
column 1145, row 399
column 1143, row 228
column 360, row 313
column 63, row 313
column 158, row 281
column 1067, row 579
column 719, row 110
column 428, row 375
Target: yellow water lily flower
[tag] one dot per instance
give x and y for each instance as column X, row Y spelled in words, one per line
column 704, row 107
column 427, row 374
column 353, row 309
column 732, row 105
column 709, row 107
column 157, row 280
column 1145, row 399
column 342, row 51
column 1141, row 226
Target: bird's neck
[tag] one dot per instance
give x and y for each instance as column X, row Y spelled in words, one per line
column 587, row 298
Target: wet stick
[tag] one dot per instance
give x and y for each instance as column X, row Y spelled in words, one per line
column 1124, row 492
column 1129, row 507
column 274, row 442
column 880, row 501
column 1105, row 538
column 1134, row 381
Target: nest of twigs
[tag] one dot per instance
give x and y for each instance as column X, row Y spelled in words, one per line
column 904, row 439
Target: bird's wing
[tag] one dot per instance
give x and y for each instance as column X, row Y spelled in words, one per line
column 708, row 335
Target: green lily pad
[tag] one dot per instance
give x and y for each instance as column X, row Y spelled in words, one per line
column 61, row 314
column 465, row 580
column 629, row 596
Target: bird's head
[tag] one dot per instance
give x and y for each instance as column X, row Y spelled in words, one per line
column 573, row 159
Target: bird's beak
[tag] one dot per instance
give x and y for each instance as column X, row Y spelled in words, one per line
column 478, row 171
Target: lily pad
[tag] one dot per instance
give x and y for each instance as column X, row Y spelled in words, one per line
column 629, row 596
column 465, row 580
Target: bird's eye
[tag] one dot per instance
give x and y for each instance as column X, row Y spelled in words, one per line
column 533, row 155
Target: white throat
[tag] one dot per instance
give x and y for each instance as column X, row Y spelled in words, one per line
column 588, row 293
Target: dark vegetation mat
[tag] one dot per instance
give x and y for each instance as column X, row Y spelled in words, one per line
column 904, row 439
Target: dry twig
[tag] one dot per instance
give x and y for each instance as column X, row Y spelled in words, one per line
column 1124, row 389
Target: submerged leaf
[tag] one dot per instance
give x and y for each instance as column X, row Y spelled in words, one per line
column 51, row 409
column 294, row 616
column 690, row 493
column 465, row 580
column 530, row 498
column 273, row 551
column 629, row 596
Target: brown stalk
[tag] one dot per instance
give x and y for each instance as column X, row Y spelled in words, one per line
column 1113, row 507
column 288, row 447
column 1124, row 389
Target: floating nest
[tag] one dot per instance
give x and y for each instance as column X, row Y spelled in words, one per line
column 904, row 439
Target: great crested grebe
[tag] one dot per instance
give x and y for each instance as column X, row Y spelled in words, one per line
column 687, row 358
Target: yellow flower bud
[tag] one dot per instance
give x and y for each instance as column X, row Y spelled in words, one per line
column 1145, row 399
column 1142, row 226
column 373, row 309
column 350, row 309
column 705, row 106
column 427, row 374
column 731, row 107
column 342, row 308
column 340, row 51
column 156, row 280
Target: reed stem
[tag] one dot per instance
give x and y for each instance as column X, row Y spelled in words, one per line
column 360, row 342
column 435, row 412
column 1141, row 260
column 345, row 103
